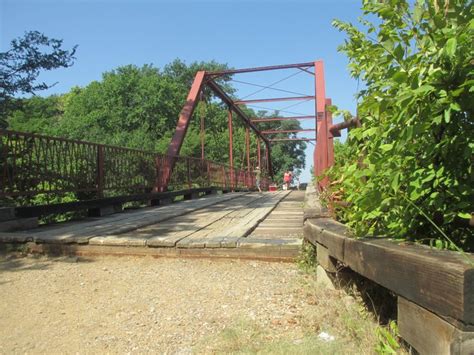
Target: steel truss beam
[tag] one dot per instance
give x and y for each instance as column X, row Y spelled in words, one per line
column 289, row 131
column 293, row 139
column 274, row 119
column 323, row 121
column 228, row 101
column 272, row 67
column 275, row 99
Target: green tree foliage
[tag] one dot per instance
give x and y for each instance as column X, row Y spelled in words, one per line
column 138, row 107
column 23, row 62
column 414, row 151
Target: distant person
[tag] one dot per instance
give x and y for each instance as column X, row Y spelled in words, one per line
column 258, row 175
column 286, row 180
column 298, row 182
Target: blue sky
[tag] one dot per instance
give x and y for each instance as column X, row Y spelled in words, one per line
column 240, row 33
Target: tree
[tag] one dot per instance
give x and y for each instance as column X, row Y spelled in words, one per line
column 138, row 107
column 412, row 159
column 23, row 62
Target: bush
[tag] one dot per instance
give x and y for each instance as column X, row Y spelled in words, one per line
column 409, row 168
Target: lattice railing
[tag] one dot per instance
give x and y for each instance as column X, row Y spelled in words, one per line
column 33, row 164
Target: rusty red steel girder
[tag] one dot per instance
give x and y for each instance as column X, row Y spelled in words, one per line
column 275, row 99
column 323, row 155
column 275, row 119
column 336, row 129
column 292, row 139
column 258, row 69
column 289, row 131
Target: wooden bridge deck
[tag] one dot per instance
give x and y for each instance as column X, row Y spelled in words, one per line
column 245, row 225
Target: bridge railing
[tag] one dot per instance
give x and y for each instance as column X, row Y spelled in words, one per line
column 33, row 164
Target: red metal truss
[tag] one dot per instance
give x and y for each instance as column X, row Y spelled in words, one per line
column 293, row 139
column 289, row 131
column 257, row 69
column 275, row 99
column 274, row 119
column 323, row 155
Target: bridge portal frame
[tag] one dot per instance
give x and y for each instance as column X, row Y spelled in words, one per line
column 324, row 150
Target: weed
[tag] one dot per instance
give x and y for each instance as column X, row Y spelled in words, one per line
column 388, row 339
column 306, row 260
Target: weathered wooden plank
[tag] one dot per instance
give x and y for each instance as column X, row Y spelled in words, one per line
column 204, row 224
column 324, row 259
column 327, row 232
column 437, row 280
column 119, row 224
column 119, row 240
column 440, row 281
column 429, row 334
column 19, row 224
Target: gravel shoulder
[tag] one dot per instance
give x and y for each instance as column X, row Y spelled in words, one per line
column 142, row 304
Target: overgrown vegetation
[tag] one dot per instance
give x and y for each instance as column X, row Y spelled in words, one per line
column 413, row 156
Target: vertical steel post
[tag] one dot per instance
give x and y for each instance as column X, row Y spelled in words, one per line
column 231, row 150
column 247, row 147
column 188, row 169
column 321, row 149
column 259, row 158
column 202, row 136
column 208, row 174
column 100, row 171
column 267, row 158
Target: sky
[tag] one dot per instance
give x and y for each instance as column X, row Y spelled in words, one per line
column 241, row 33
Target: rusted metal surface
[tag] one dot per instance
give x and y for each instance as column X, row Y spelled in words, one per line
column 247, row 147
column 293, row 139
column 335, row 129
column 228, row 101
column 258, row 69
column 289, row 131
column 32, row 164
column 321, row 149
column 231, row 147
column 275, row 99
column 275, row 119
column 182, row 126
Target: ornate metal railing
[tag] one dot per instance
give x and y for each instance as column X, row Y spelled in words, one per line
column 33, row 164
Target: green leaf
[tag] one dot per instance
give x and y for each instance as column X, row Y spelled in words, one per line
column 399, row 52
column 395, row 184
column 400, row 77
column 386, row 147
column 447, row 115
column 423, row 89
column 450, row 47
column 465, row 215
column 369, row 132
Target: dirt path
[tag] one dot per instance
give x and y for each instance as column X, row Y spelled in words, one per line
column 138, row 305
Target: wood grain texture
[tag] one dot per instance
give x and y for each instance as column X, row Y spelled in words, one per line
column 429, row 334
column 440, row 281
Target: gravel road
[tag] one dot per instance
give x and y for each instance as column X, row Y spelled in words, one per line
column 145, row 305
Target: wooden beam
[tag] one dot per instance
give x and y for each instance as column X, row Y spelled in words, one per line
column 441, row 281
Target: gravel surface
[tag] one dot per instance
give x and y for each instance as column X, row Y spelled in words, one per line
column 139, row 305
